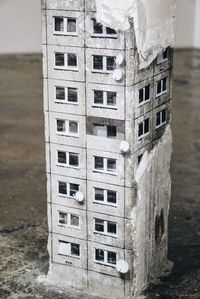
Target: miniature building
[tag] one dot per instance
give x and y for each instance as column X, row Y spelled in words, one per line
column 101, row 114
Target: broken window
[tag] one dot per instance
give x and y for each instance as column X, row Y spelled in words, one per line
column 162, row 86
column 73, row 159
column 62, row 157
column 144, row 94
column 143, row 128
column 102, row 31
column 161, row 118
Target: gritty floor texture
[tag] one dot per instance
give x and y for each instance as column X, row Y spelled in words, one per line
column 23, row 232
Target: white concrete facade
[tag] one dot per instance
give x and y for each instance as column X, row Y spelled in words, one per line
column 89, row 113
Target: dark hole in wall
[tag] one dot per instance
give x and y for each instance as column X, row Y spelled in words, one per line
column 159, row 227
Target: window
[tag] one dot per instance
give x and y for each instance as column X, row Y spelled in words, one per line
column 107, row 197
column 106, row 227
column 64, row 61
column 161, row 118
column 162, row 86
column 69, row 159
column 65, row 26
column 105, row 131
column 105, row 99
column 68, row 249
column 104, row 63
column 140, row 158
column 144, row 95
column 70, row 128
column 106, row 165
column 67, row 189
column 66, row 94
column 143, row 128
column 69, row 220
column 105, row 257
column 102, row 31
column 162, row 57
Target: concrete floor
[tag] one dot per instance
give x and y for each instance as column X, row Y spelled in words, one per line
column 23, row 233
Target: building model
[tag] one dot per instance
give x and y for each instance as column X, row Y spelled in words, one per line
column 102, row 113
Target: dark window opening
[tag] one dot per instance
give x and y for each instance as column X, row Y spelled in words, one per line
column 60, row 125
column 110, row 31
column 59, row 59
column 98, row 163
column 99, row 255
column 62, row 218
column 73, row 127
column 140, row 158
column 72, row 95
column 72, row 59
column 159, row 227
column 60, row 93
column 73, row 189
column 73, row 159
column 75, row 249
column 62, row 157
column 112, row 228
column 98, row 97
column 99, row 225
column 62, row 188
column 71, row 25
column 165, row 54
column 112, row 196
column 111, row 98
column 97, row 27
column 110, row 63
column 59, row 24
column 74, row 220
column 97, row 62
column 146, row 126
column 99, row 194
column 112, row 258
column 140, row 129
column 111, row 132
column 111, row 165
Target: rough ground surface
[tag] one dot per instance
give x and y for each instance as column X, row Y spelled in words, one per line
column 23, row 233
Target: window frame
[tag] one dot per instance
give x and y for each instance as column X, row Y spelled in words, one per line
column 162, row 123
column 105, row 262
column 105, row 197
column 162, row 84
column 144, row 134
column 68, row 224
column 67, row 128
column 160, row 58
column 144, row 94
column 69, row 249
column 65, row 32
column 66, row 100
column 105, row 166
column 105, row 65
column 105, row 100
column 106, row 131
column 104, row 34
column 105, row 228
column 68, row 188
column 67, row 160
column 66, row 67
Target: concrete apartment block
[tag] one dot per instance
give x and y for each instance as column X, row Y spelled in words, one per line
column 102, row 115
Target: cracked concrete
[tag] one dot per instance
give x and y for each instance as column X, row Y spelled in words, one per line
column 23, row 233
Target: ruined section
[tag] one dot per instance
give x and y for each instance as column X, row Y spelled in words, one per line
column 153, row 23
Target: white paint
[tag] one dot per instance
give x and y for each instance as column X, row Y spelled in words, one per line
column 20, row 26
column 153, row 23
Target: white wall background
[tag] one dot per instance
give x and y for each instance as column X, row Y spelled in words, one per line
column 20, row 25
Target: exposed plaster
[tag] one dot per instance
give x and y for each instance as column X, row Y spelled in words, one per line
column 153, row 196
column 153, row 23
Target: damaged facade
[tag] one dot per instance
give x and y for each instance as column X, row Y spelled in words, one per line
column 108, row 154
